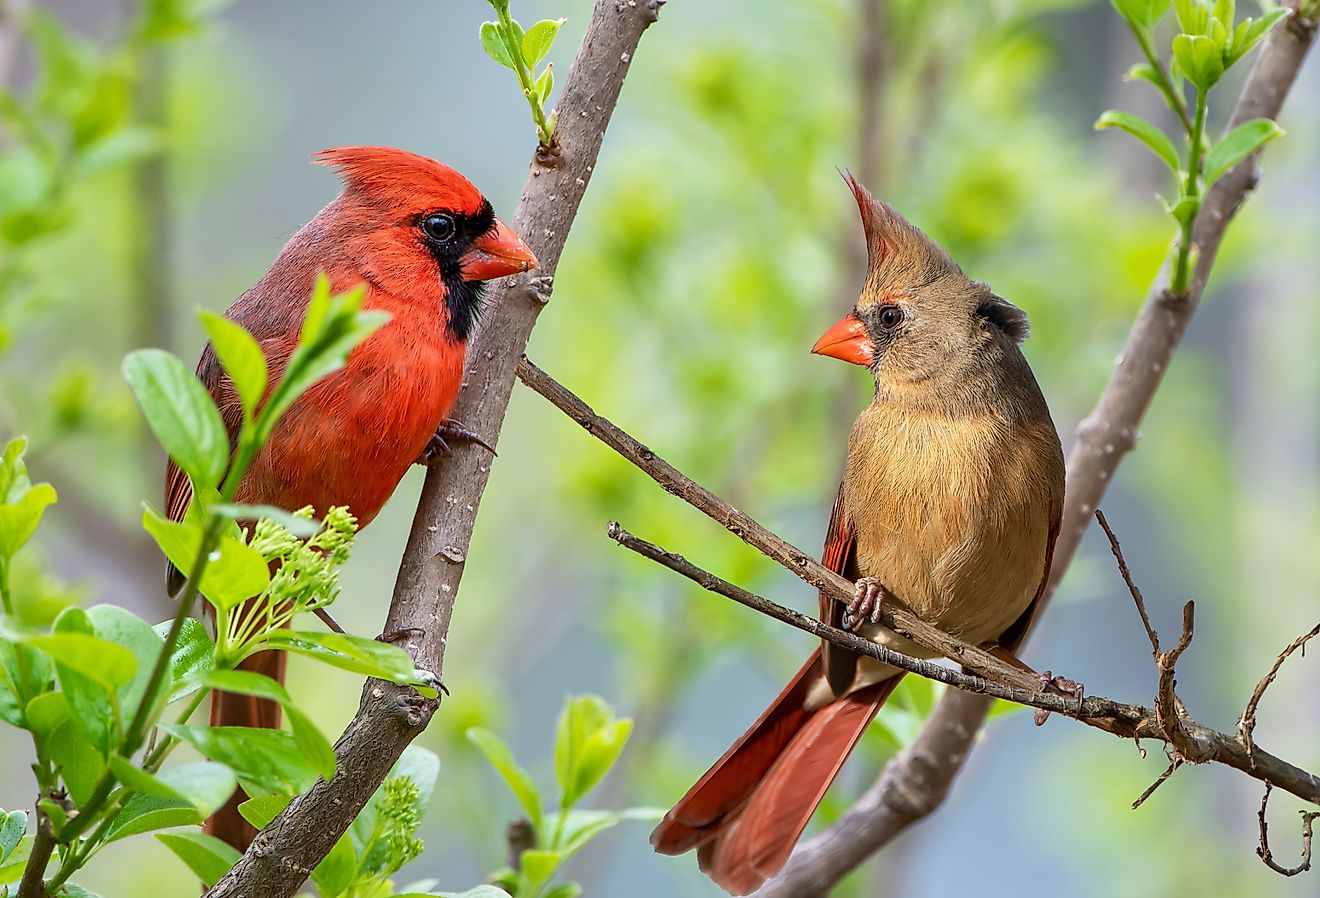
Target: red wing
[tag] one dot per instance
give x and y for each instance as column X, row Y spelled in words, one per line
column 840, row 556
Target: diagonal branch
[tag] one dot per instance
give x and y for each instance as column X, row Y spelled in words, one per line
column 390, row 717
column 915, row 782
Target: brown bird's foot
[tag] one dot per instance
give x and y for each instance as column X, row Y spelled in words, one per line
column 1058, row 686
column 868, row 599
column 438, row 448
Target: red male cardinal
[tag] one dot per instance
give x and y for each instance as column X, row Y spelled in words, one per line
column 421, row 239
column 951, row 498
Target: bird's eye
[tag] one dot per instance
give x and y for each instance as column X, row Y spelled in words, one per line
column 438, row 226
column 891, row 317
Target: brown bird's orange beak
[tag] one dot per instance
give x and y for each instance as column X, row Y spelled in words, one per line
column 847, row 340
column 496, row 253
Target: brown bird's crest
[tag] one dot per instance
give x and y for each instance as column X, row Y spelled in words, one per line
column 899, row 254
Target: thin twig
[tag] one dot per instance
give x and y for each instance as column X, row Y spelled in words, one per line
column 1131, row 584
column 1263, row 850
column 389, row 717
column 1247, row 723
column 1174, row 764
column 1120, row 719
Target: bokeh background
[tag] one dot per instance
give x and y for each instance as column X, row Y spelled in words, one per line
column 715, row 243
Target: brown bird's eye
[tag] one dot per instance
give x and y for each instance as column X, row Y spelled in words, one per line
column 439, row 227
column 891, row 317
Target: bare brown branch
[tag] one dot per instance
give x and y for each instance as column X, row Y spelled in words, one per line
column 389, row 717
column 1247, row 723
column 1263, row 850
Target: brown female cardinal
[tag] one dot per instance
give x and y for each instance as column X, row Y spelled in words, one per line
column 421, row 239
column 951, row 498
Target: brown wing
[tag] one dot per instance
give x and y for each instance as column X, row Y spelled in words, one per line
column 178, row 488
column 1015, row 635
column 840, row 556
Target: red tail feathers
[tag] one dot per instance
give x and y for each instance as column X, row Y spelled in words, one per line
column 228, row 709
column 746, row 813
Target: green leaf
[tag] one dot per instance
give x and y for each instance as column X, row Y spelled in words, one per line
column 315, row 746
column 494, row 46
column 262, row 810
column 19, row 519
column 235, row 571
column 206, row 856
column 564, row 890
column 12, row 870
column 587, row 744
column 126, row 629
column 545, row 83
column 1250, row 32
column 1237, row 145
column 1193, row 16
column 271, row 760
column 299, row 526
column 1158, row 142
column 354, row 653
column 180, row 413
column 1142, row 13
column 25, row 674
column 108, row 664
column 193, row 655
column 1224, row 12
column 206, row 784
column 134, row 777
column 241, row 357
column 143, row 813
column 73, row 890
column 12, row 828
column 482, row 891
column 539, row 866
column 518, row 780
column 1199, row 58
column 536, row 42
column 81, row 762
column 93, row 704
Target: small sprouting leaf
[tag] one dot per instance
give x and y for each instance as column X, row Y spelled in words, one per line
column 21, row 504
column 536, row 42
column 193, row 653
column 12, row 869
column 1199, row 58
column 545, row 83
column 206, row 856
column 580, row 827
column 1250, row 32
column 1193, row 16
column 1142, row 13
column 587, row 744
column 262, row 810
column 241, row 357
column 1237, row 145
column 1224, row 12
column 180, row 413
column 564, row 890
column 1158, row 142
column 518, row 780
column 334, row 875
column 1143, row 71
column 493, row 44
column 540, row 866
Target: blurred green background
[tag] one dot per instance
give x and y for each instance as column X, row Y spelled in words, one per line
column 716, row 242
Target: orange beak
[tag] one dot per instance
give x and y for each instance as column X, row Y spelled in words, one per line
column 847, row 340
column 496, row 253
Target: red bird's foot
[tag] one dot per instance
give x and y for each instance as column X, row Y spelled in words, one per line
column 868, row 599
column 438, row 448
column 1058, row 686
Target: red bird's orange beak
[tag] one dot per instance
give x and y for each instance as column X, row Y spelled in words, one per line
column 847, row 340
column 496, row 253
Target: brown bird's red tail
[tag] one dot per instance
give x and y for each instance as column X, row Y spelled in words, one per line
column 746, row 813
column 230, row 710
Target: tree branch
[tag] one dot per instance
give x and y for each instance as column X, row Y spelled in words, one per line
column 915, row 782
column 390, row 716
column 992, row 676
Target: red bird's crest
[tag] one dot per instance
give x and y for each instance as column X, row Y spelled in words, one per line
column 399, row 179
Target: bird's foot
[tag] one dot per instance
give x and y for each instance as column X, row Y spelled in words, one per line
column 1058, row 686
column 868, row 599
column 438, row 447
column 402, row 634
column 431, row 681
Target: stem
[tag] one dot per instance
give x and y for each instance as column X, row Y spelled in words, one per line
column 1165, row 85
column 1182, row 267
column 5, row 597
column 151, row 763
column 524, row 75
column 42, row 847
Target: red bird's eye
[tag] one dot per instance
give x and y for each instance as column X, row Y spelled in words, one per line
column 891, row 317
column 439, row 227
